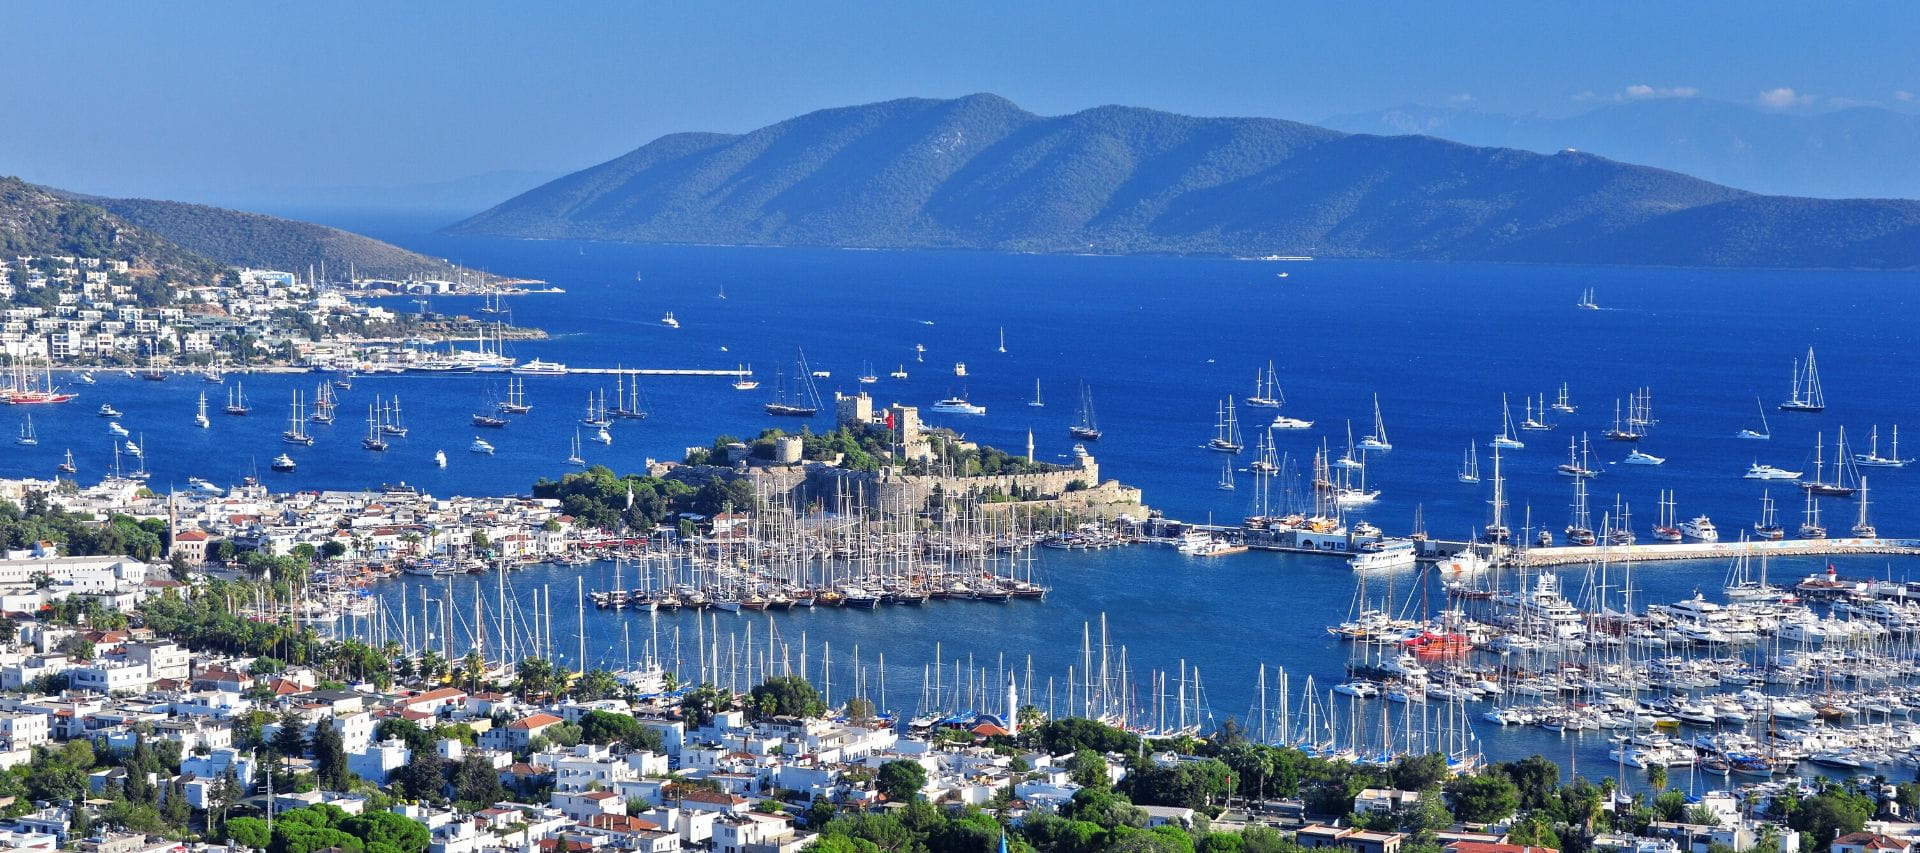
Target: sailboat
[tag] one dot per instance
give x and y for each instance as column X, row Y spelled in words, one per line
column 1003, row 339
column 1266, row 389
column 490, row 421
column 899, row 372
column 296, row 431
column 1562, row 403
column 743, row 378
column 374, row 441
column 67, row 467
column 1864, row 528
column 323, row 404
column 1506, row 440
column 596, row 415
column 1086, row 427
column 1586, row 301
column 1470, row 465
column 516, row 402
column 867, row 376
column 1621, row 430
column 1842, row 483
column 390, row 423
column 237, row 400
column 1806, row 395
column 1667, row 529
column 440, row 459
column 1036, row 402
column 1226, row 430
column 1768, row 527
column 626, row 404
column 1226, row 476
column 575, row 458
column 804, row 402
column 1810, row 522
column 1872, row 457
column 669, row 321
column 1378, row 440
column 1765, row 432
column 1577, row 464
column 1536, row 419
column 27, row 436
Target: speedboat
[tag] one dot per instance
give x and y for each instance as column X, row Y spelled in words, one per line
column 1640, row 458
column 115, row 428
column 201, row 485
column 283, row 462
column 603, row 436
column 480, row 445
column 958, row 406
column 86, row 377
column 1284, row 422
column 1758, row 471
column 134, row 449
column 108, row 411
column 440, row 458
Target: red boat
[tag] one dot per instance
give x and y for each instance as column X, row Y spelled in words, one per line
column 28, row 398
column 1437, row 643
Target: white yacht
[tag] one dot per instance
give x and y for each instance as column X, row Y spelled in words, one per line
column 959, row 368
column 537, row 367
column 115, row 428
column 1284, row 422
column 440, row 459
column 958, row 406
column 1700, row 529
column 1639, row 457
column 283, row 462
column 27, row 437
column 602, row 436
column 1378, row 440
column 205, row 486
column 480, row 445
column 1757, row 471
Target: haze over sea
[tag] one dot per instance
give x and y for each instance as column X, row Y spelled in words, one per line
column 1161, row 340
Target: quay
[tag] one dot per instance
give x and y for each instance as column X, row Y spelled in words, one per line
column 1563, row 554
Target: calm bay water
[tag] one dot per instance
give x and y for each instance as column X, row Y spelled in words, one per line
column 1161, row 341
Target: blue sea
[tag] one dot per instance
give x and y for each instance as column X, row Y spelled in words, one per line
column 1161, row 341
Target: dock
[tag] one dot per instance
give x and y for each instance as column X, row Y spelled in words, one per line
column 1559, row 555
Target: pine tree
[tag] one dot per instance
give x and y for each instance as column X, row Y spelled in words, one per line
column 330, row 758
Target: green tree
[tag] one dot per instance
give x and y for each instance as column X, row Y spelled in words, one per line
column 1088, row 770
column 476, row 783
column 900, row 780
column 1483, row 797
column 1419, row 772
column 330, row 758
column 785, row 696
column 605, row 727
column 249, row 832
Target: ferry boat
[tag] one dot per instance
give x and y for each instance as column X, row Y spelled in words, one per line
column 1806, row 395
column 958, row 406
column 480, row 445
column 669, row 321
column 283, row 463
column 538, row 367
column 1640, row 457
column 1700, row 529
column 1383, row 554
column 1757, row 471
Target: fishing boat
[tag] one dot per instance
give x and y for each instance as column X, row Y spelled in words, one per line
column 804, row 402
column 237, row 400
column 1578, row 463
column 1765, row 432
column 283, row 463
column 959, row 368
column 669, row 321
column 516, row 402
column 1757, row 471
column 1586, row 302
column 1226, row 430
column 67, row 466
column 296, row 431
column 575, row 458
column 114, row 428
column 1085, row 427
column 374, row 440
column 1768, row 527
column 1470, row 465
column 1872, row 457
column 27, row 437
column 538, row 367
column 1641, row 457
column 107, row 410
column 1843, row 473
column 1563, row 403
column 1036, row 402
column 480, row 445
column 1266, row 389
column 899, row 372
column 957, row 406
column 440, row 459
column 1378, row 440
column 1806, row 395
column 1506, row 440
column 743, row 379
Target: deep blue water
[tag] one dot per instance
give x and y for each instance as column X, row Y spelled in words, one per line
column 1161, row 341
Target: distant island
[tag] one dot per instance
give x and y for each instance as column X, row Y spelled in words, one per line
column 980, row 173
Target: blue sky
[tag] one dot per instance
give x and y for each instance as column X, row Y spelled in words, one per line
column 221, row 101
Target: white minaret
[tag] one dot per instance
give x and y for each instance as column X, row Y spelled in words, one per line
column 1013, row 690
column 1029, row 444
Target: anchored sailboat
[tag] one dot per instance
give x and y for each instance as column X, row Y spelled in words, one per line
column 1266, row 389
column 1036, row 402
column 296, row 431
column 1378, row 440
column 1872, row 457
column 1085, row 427
column 1506, row 440
column 805, row 400
column 1765, row 432
column 1806, row 395
column 575, row 458
column 1226, row 430
column 1470, row 465
column 200, row 418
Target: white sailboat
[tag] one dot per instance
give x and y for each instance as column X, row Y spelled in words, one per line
column 1378, row 440
column 296, row 431
column 1586, row 301
column 1036, row 402
column 1872, row 457
column 1862, row 527
column 1562, row 403
column 743, row 378
column 1470, row 465
column 899, row 372
column 1765, row 432
column 575, row 458
column 1506, row 439
column 200, row 418
column 1536, row 417
column 27, row 437
column 1226, row 476
column 1266, row 389
column 1806, row 395
column 867, row 376
column 1003, row 339
column 1226, row 430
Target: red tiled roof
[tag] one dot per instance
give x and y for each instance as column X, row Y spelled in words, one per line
column 536, row 721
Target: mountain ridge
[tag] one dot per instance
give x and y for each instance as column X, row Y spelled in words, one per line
column 979, row 172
